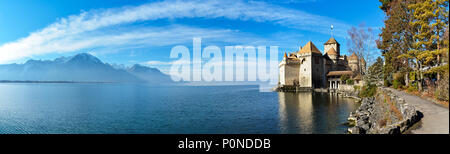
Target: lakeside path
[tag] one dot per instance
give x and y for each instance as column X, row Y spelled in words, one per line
column 435, row 118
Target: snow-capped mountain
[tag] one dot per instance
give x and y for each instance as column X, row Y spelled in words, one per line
column 82, row 67
column 148, row 74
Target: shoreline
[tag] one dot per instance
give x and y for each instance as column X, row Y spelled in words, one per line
column 385, row 113
column 26, row 81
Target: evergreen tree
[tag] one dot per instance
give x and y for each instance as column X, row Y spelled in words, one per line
column 430, row 20
column 412, row 38
column 396, row 37
column 375, row 71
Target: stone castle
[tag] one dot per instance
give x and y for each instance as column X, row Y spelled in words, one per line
column 309, row 69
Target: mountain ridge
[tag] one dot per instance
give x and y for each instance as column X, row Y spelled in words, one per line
column 82, row 67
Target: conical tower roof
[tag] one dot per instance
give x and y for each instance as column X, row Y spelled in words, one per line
column 332, row 52
column 353, row 57
column 331, row 41
column 309, row 47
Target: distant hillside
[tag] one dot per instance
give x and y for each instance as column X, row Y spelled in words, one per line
column 82, row 67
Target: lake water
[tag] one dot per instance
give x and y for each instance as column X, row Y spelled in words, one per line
column 130, row 108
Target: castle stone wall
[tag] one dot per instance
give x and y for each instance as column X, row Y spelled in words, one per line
column 282, row 74
column 291, row 74
column 318, row 71
column 305, row 73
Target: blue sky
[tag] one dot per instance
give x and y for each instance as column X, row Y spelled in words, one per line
column 128, row 32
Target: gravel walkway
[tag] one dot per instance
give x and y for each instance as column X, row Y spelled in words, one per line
column 435, row 118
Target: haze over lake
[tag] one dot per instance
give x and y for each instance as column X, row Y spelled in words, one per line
column 142, row 108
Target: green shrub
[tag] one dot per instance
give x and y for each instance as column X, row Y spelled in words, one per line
column 399, row 80
column 368, row 90
column 387, row 83
column 350, row 81
column 344, row 77
column 356, row 87
column 412, row 76
column 441, row 94
column 399, row 76
column 412, row 87
column 437, row 93
column 397, row 84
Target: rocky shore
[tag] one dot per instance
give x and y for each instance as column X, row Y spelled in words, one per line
column 386, row 113
column 349, row 94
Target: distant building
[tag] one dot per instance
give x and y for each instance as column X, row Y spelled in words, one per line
column 308, row 68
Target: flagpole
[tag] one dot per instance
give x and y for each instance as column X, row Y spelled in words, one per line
column 332, row 31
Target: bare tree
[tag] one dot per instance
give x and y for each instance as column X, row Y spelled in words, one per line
column 361, row 41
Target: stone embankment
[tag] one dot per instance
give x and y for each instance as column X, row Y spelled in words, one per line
column 386, row 113
column 297, row 89
column 348, row 91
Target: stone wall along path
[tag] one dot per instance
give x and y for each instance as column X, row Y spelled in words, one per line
column 435, row 118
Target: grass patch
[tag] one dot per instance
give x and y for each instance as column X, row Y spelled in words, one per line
column 368, row 91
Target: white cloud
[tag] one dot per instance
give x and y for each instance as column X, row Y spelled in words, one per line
column 291, row 1
column 84, row 30
column 137, row 38
column 157, row 63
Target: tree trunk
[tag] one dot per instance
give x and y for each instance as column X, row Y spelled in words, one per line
column 438, row 76
column 420, row 81
column 438, row 61
column 407, row 79
column 420, row 77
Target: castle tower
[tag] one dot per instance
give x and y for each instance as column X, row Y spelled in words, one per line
column 311, row 72
column 332, row 43
column 333, row 50
column 288, row 70
column 353, row 63
column 333, row 56
column 362, row 65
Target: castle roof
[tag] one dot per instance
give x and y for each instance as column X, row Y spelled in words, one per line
column 331, row 41
column 309, row 47
column 353, row 57
column 339, row 73
column 291, row 55
column 363, row 60
column 332, row 52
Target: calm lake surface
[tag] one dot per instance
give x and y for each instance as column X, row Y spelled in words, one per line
column 130, row 108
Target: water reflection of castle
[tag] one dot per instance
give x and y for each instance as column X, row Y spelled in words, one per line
column 308, row 112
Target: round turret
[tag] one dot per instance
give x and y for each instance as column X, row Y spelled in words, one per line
column 353, row 62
